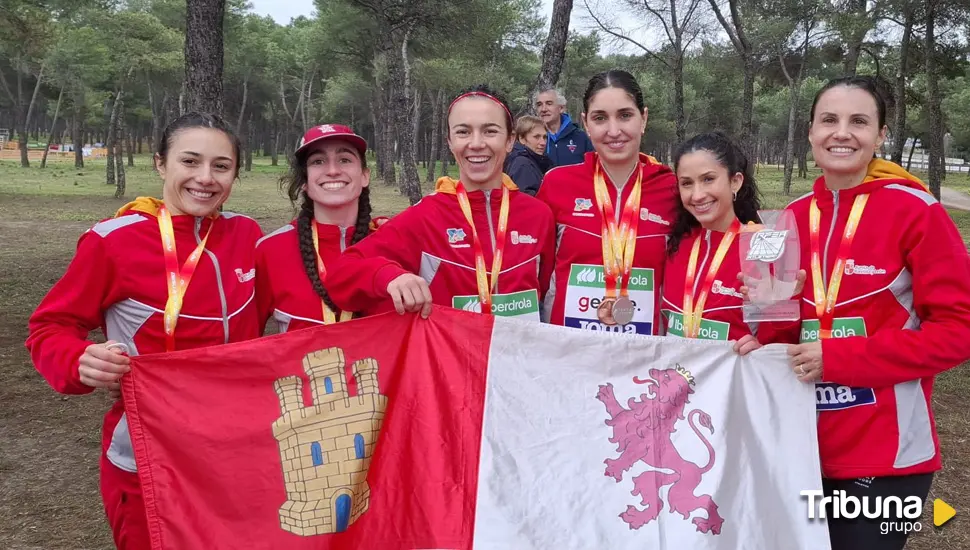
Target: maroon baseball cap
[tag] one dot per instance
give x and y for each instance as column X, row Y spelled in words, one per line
column 332, row 131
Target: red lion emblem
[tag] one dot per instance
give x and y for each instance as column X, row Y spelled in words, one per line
column 642, row 433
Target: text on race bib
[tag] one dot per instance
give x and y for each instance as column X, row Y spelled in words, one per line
column 586, row 289
column 830, row 396
column 524, row 304
column 710, row 330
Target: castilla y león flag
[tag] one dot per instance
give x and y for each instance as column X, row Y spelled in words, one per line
column 471, row 431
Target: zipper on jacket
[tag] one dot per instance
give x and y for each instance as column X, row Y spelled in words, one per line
column 491, row 230
column 618, row 207
column 343, row 239
column 222, row 292
column 825, row 254
column 707, row 254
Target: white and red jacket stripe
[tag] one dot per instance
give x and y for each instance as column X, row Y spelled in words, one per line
column 902, row 317
column 116, row 281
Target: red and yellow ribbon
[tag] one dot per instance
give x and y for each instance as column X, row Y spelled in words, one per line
column 619, row 240
column 485, row 289
column 825, row 304
column 177, row 280
column 329, row 317
column 694, row 314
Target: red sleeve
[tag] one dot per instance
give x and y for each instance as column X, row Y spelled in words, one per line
column 358, row 280
column 74, row 306
column 547, row 257
column 265, row 301
column 545, row 195
column 938, row 260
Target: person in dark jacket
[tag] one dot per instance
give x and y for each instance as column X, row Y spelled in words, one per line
column 567, row 142
column 527, row 164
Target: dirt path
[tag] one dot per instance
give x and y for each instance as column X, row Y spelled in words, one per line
column 955, row 199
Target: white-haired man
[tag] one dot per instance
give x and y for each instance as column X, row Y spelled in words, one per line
column 567, row 143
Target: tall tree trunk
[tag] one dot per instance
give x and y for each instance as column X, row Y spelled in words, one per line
column 681, row 118
column 77, row 129
column 378, row 132
column 119, row 130
column 242, row 107
column 410, row 185
column 554, row 52
column 747, row 111
column 415, row 120
column 110, row 140
column 155, row 109
column 250, row 140
column 276, row 148
column 389, row 115
column 899, row 114
column 204, row 55
column 793, row 92
column 434, row 141
column 857, row 35
column 57, row 111
column 933, row 100
column 131, row 146
column 22, row 121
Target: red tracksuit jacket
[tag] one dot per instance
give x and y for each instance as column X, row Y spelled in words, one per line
column 902, row 316
column 578, row 284
column 283, row 289
column 433, row 239
column 723, row 318
column 116, row 281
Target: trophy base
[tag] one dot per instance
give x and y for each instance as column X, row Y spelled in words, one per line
column 784, row 310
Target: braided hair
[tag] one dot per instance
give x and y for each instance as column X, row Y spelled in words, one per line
column 292, row 183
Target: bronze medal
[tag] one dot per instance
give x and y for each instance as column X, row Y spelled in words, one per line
column 605, row 311
column 622, row 310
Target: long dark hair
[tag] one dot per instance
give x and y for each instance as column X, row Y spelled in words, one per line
column 292, row 184
column 194, row 119
column 732, row 158
column 614, row 78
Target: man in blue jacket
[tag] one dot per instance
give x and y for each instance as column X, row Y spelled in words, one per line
column 567, row 143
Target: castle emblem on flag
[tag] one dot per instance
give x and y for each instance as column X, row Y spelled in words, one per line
column 326, row 448
column 643, row 433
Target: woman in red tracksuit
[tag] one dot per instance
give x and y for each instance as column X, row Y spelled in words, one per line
column 330, row 178
column 613, row 212
column 718, row 196
column 160, row 276
column 476, row 242
column 886, row 308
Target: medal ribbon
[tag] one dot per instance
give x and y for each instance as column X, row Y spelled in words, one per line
column 619, row 242
column 481, row 275
column 329, row 317
column 694, row 314
column 825, row 304
column 178, row 281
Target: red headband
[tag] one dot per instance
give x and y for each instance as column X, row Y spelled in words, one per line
column 486, row 96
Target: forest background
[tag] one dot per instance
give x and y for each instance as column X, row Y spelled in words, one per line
column 111, row 72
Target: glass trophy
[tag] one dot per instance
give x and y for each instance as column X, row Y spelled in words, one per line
column 770, row 261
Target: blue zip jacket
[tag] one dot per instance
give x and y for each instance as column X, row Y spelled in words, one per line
column 569, row 144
